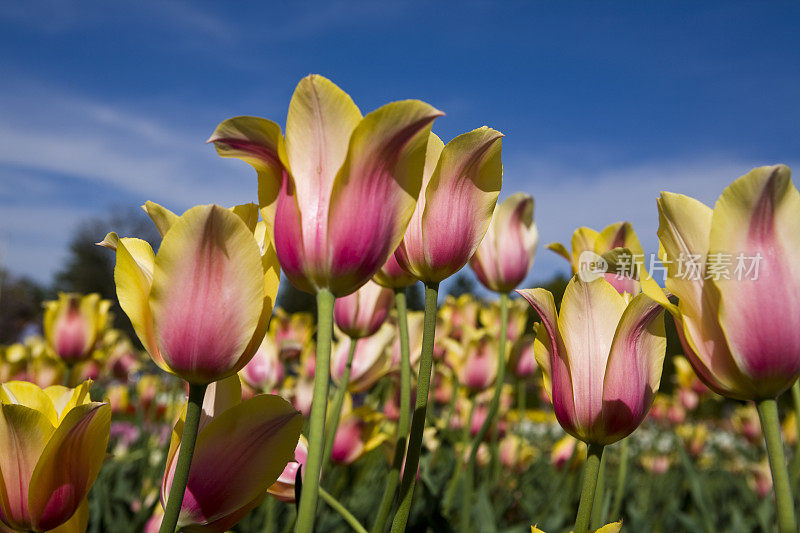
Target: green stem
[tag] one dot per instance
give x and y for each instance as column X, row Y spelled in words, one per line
column 68, row 376
column 768, row 413
column 420, row 407
column 335, row 412
column 522, row 399
column 794, row 467
column 469, row 476
column 342, row 510
column 622, row 473
column 403, row 423
column 591, row 469
column 194, row 407
column 269, row 524
column 597, row 507
column 316, row 434
column 491, row 412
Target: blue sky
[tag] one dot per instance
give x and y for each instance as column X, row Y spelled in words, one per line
column 106, row 104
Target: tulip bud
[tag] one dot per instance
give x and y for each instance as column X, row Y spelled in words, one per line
column 361, row 313
column 72, row 325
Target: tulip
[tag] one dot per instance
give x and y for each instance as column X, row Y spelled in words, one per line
column 478, row 369
column 341, row 189
column 54, row 443
column 284, row 487
column 461, row 182
column 370, row 361
column 459, row 314
column 358, row 433
column 200, row 305
column 602, row 357
column 588, row 245
column 506, row 253
column 236, row 439
column 72, row 325
column 291, row 332
column 361, row 313
column 264, row 372
column 393, row 276
column 735, row 273
column 522, row 360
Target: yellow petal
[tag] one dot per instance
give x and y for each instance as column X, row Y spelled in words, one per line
column 64, row 399
column 248, row 213
column 162, row 217
column 29, row 395
column 583, row 239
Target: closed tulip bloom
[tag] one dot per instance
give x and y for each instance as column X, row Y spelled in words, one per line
column 506, row 252
column 736, row 308
column 460, row 186
column 477, row 369
column 292, row 332
column 236, row 440
column 201, row 305
column 588, row 244
column 361, row 313
column 284, row 488
column 264, row 372
column 522, row 361
column 340, row 187
column 358, row 433
column 73, row 323
column 371, row 359
column 392, row 275
column 602, row 357
column 53, row 444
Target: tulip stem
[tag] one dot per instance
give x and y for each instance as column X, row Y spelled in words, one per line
column 194, row 407
column 794, row 467
column 522, row 399
column 420, row 408
column 332, row 422
column 68, row 376
column 316, row 435
column 343, row 512
column 597, row 508
column 491, row 413
column 591, row 469
column 768, row 413
column 622, row 473
column 403, row 423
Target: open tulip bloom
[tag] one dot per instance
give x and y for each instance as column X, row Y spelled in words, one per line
column 736, row 272
column 201, row 305
column 602, row 357
column 53, row 444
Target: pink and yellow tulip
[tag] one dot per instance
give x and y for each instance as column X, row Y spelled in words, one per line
column 201, row 305
column 284, row 487
column 460, row 186
column 361, row 313
column 505, row 255
column 371, row 359
column 235, row 440
column 54, row 443
column 602, row 357
column 339, row 187
column 358, row 433
column 735, row 324
column 73, row 324
column 264, row 371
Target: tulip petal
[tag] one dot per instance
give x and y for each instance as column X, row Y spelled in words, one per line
column 248, row 213
column 561, row 250
column 24, row 433
column 162, row 217
column 683, row 231
column 208, row 294
column 69, row 465
column 256, row 141
column 590, row 312
column 258, row 435
column 633, row 372
column 64, row 399
column 558, row 370
column 583, row 239
column 29, row 395
column 618, row 235
column 79, row 521
column 376, row 190
column 758, row 215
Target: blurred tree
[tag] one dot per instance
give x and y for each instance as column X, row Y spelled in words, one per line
column 415, row 297
column 90, row 268
column 293, row 300
column 20, row 306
